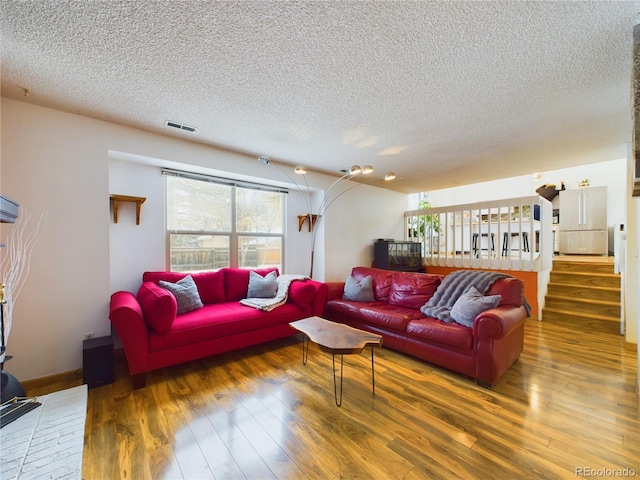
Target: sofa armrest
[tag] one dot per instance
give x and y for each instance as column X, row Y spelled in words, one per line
column 498, row 322
column 320, row 297
column 336, row 290
column 499, row 337
column 127, row 319
column 308, row 294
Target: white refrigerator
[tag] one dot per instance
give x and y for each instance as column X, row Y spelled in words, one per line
column 583, row 221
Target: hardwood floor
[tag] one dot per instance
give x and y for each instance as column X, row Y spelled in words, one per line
column 568, row 405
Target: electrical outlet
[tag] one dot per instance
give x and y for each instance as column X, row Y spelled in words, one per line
column 89, row 335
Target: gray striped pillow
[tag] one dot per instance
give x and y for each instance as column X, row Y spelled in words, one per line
column 186, row 293
column 262, row 287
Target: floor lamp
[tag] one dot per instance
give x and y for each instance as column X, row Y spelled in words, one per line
column 331, row 195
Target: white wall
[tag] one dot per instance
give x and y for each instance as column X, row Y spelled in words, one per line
column 136, row 248
column 632, row 264
column 372, row 216
column 51, row 162
column 636, row 290
column 69, row 164
column 611, row 173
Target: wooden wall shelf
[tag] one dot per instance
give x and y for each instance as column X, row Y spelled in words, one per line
column 310, row 217
column 116, row 199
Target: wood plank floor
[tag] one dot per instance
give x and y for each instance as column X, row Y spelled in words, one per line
column 566, row 409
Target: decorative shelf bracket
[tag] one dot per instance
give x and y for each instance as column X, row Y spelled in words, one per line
column 311, row 217
column 115, row 199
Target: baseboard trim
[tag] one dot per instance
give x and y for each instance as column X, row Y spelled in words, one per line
column 72, row 376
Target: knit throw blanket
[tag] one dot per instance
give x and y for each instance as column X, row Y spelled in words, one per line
column 268, row 304
column 453, row 286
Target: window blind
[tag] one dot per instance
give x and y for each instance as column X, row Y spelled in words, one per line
column 223, row 181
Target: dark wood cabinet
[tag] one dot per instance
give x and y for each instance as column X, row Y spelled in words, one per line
column 402, row 256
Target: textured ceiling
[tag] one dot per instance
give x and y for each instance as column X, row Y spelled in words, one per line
column 441, row 93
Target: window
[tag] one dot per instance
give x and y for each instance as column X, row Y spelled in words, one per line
column 213, row 223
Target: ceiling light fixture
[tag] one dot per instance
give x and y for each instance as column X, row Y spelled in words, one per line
column 389, row 176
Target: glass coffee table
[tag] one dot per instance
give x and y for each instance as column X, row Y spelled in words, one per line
column 336, row 339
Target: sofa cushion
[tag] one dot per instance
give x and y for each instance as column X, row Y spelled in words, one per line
column 412, row 290
column 210, row 283
column 166, row 276
column 186, row 294
column 358, row 290
column 338, row 309
column 437, row 331
column 221, row 320
column 262, row 287
column 510, row 289
column 471, row 304
column 387, row 316
column 159, row 306
column 210, row 286
column 381, row 281
column 236, row 281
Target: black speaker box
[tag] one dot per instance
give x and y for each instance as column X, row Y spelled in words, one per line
column 97, row 361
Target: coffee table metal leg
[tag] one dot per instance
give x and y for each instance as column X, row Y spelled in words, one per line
column 373, row 374
column 305, row 348
column 335, row 391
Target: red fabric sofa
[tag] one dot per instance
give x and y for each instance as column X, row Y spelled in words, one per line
column 153, row 336
column 484, row 351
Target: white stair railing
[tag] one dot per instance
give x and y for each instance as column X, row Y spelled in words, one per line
column 510, row 234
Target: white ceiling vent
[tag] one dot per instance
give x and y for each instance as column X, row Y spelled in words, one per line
column 180, row 126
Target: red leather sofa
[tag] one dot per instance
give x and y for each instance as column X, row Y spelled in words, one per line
column 153, row 336
column 484, row 351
